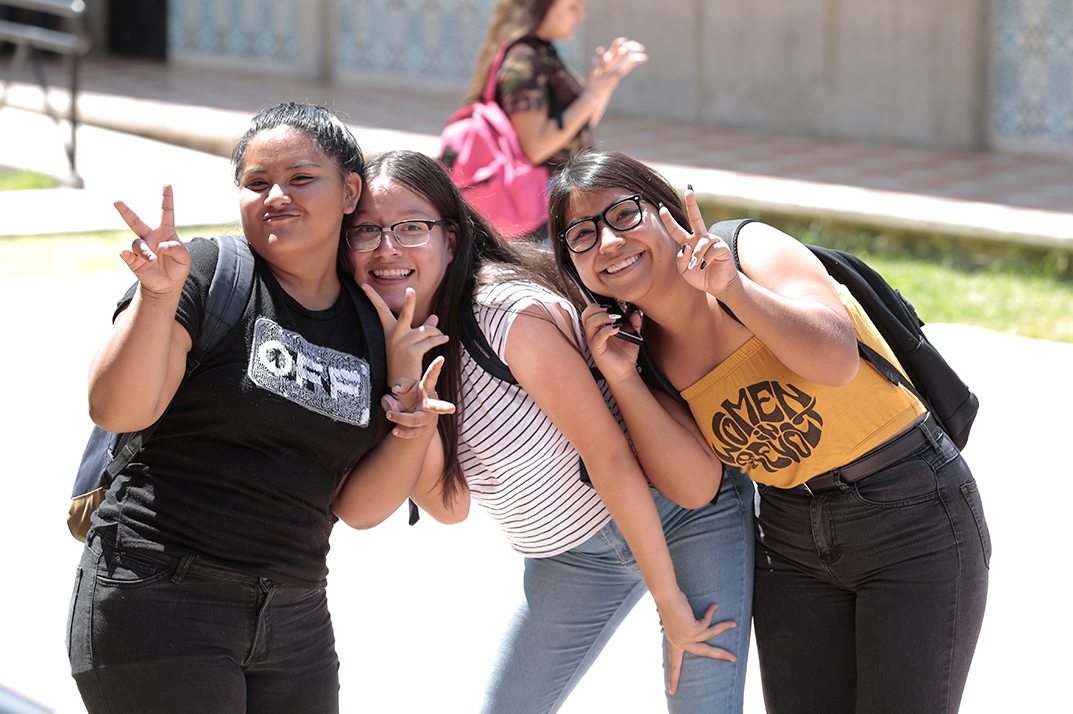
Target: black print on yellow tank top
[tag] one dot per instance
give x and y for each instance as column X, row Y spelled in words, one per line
column 770, row 426
column 323, row 380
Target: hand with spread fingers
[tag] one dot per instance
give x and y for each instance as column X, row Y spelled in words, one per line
column 613, row 63
column 685, row 633
column 158, row 257
column 705, row 261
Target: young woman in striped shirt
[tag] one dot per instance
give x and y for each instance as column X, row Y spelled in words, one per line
column 521, row 450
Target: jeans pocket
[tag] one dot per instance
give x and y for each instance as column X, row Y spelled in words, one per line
column 906, row 483
column 972, row 497
column 124, row 569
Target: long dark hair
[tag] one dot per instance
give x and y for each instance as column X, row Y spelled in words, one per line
column 325, row 130
column 511, row 21
column 592, row 170
column 480, row 256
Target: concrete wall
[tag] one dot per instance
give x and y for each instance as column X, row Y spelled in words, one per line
column 943, row 73
column 282, row 37
column 912, row 71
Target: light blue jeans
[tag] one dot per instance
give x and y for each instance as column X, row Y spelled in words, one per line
column 575, row 601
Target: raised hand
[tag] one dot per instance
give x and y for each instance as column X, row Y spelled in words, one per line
column 406, row 345
column 427, row 409
column 705, row 261
column 612, row 64
column 158, row 258
column 685, row 633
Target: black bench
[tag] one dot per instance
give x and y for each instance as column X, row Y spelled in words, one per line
column 31, row 40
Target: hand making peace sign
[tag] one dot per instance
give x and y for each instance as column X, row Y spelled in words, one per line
column 158, row 258
column 705, row 261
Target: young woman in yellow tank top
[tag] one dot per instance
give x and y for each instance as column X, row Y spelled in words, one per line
column 871, row 546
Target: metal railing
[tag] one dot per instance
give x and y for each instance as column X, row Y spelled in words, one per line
column 31, row 40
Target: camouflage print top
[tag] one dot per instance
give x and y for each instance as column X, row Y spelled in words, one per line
column 533, row 78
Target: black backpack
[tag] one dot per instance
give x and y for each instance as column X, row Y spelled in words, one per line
column 932, row 380
column 107, row 454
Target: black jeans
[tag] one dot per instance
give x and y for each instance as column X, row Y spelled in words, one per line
column 869, row 596
column 149, row 632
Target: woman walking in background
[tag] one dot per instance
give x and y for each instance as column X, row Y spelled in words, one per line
column 552, row 109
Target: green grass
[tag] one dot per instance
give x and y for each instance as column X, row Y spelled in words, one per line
column 1009, row 300
column 18, row 180
column 74, row 253
column 1013, row 288
column 1031, row 300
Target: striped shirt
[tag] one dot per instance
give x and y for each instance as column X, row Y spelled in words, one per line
column 519, row 467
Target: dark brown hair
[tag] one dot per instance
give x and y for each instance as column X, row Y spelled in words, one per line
column 325, row 130
column 480, row 256
column 511, row 21
column 592, row 170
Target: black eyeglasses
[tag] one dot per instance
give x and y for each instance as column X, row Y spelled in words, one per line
column 408, row 234
column 622, row 215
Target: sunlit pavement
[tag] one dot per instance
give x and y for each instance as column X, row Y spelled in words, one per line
column 418, row 610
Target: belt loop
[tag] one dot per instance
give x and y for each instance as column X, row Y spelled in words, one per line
column 836, row 475
column 929, row 432
column 180, row 570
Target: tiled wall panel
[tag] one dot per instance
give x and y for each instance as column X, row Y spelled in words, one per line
column 1032, row 91
column 432, row 41
column 260, row 35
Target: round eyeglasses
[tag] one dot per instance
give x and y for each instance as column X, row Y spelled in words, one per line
column 622, row 215
column 408, row 234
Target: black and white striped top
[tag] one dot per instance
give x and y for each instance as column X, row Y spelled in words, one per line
column 518, row 465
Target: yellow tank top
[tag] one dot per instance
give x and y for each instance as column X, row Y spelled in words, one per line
column 782, row 429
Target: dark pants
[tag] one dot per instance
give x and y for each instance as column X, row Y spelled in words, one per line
column 869, row 596
column 154, row 633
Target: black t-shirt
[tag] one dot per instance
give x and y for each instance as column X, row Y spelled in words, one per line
column 242, row 468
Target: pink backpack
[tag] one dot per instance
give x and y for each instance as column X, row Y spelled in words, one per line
column 481, row 152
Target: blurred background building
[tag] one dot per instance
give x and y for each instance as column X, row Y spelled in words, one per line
column 956, row 74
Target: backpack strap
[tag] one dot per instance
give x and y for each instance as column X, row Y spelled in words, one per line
column 475, row 342
column 489, row 93
column 728, row 231
column 228, row 293
column 654, row 377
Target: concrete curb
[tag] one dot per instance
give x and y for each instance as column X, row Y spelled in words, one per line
column 214, row 131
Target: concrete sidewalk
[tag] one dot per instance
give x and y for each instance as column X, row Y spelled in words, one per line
column 418, row 611
column 993, row 196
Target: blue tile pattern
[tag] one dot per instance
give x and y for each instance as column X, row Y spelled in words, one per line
column 1033, row 72
column 430, row 39
column 412, row 38
column 405, row 39
column 248, row 30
